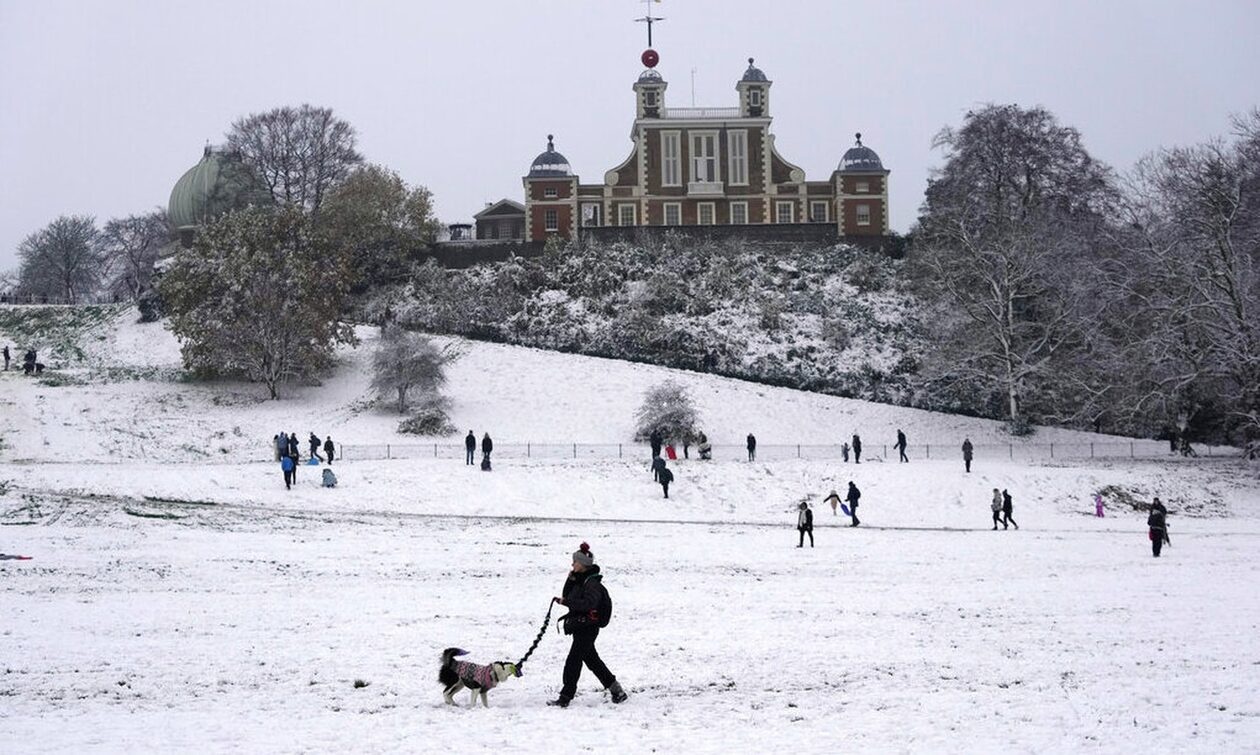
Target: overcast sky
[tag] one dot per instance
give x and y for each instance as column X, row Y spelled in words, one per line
column 103, row 105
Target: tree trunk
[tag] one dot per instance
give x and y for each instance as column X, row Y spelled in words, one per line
column 402, row 400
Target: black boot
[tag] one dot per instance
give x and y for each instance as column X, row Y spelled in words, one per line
column 618, row 694
column 559, row 702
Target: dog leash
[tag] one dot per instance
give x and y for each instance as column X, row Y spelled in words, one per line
column 538, row 639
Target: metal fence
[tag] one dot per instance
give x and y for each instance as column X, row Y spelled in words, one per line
column 1119, row 449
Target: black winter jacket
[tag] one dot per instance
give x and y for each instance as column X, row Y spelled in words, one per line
column 854, row 495
column 583, row 594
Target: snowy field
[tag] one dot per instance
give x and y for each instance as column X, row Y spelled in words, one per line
column 178, row 605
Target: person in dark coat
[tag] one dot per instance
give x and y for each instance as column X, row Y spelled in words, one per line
column 752, row 447
column 1007, row 508
column 470, row 447
column 313, row 442
column 658, row 464
column 330, row 449
column 275, row 446
column 487, row 446
column 857, row 449
column 293, row 446
column 6, row 358
column 844, row 451
column 287, row 466
column 852, row 497
column 900, row 445
column 1157, row 520
column 665, row 477
column 967, row 449
column 584, row 595
column 805, row 524
column 656, row 440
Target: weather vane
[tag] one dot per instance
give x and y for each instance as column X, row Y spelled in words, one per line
column 650, row 58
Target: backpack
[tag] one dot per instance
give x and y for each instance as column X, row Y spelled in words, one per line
column 605, row 608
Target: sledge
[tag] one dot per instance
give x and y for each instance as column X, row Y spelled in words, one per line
column 12, row 557
column 485, row 464
column 670, row 453
column 312, row 462
column 845, row 509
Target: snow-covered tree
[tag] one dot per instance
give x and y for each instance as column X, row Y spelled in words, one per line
column 131, row 246
column 407, row 363
column 61, row 261
column 667, row 409
column 258, row 294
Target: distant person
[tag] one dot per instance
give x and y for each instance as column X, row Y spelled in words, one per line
column 282, row 445
column 665, row 477
column 658, row 464
column 275, row 446
column 687, row 448
column 287, row 466
column 655, row 440
column 751, row 444
column 1007, row 508
column 330, row 479
column 844, row 451
column 1158, row 522
column 967, row 449
column 6, row 358
column 996, row 506
column 330, row 449
column 857, row 449
column 293, row 446
column 470, row 447
column 900, row 445
column 313, row 442
column 706, row 450
column 834, row 500
column 1098, row 505
column 852, row 497
column 487, row 446
column 805, row 524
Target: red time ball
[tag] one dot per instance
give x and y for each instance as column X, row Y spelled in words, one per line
column 650, row 58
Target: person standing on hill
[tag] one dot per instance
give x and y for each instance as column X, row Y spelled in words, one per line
column 287, row 466
column 805, row 524
column 293, row 446
column 313, row 442
column 834, row 500
column 1098, row 505
column 6, row 358
column 752, row 447
column 1007, row 508
column 967, row 449
column 996, row 506
column 852, row 498
column 900, row 445
column 330, row 449
column 857, row 449
column 844, row 451
column 470, row 447
column 658, row 464
column 1158, row 522
column 487, row 446
column 664, row 477
column 656, row 441
column 275, row 446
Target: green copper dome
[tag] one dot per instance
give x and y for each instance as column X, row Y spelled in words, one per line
column 220, row 182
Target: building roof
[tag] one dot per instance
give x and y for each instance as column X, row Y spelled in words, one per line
column 753, row 73
column 650, row 76
column 220, row 182
column 550, row 163
column 502, row 208
column 859, row 159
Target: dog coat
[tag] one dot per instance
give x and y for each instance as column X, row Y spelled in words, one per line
column 474, row 675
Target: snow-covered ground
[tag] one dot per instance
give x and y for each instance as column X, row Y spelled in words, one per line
column 172, row 605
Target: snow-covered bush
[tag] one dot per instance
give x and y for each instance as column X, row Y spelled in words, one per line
column 667, row 409
column 405, row 362
column 429, row 417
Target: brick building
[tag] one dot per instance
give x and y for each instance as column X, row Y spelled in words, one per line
column 701, row 166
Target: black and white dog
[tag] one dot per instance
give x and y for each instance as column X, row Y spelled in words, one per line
column 456, row 675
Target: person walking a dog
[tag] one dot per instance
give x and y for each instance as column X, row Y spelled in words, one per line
column 590, row 609
column 805, row 524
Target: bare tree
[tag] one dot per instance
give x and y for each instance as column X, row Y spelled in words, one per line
column 405, row 362
column 131, row 246
column 300, row 153
column 62, row 261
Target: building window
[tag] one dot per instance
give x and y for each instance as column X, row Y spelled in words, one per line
column 518, row 230
column 625, row 214
column 754, row 97
column 673, row 213
column 818, row 212
column 737, row 157
column 551, row 220
column 863, row 214
column 591, row 215
column 649, row 99
column 704, row 160
column 705, row 213
column 549, row 193
column 862, row 188
column 671, row 171
column 783, row 212
column 739, row 213
column 492, row 230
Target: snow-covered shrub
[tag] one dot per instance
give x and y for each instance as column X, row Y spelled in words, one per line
column 406, row 361
column 668, row 410
column 430, row 417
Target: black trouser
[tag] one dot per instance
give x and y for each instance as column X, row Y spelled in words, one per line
column 853, row 513
column 857, row 456
column 801, row 544
column 968, row 463
column 1006, row 519
column 902, row 451
column 665, row 487
column 1157, row 541
column 752, row 454
column 997, row 518
column 288, row 479
column 468, row 456
column 583, row 651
